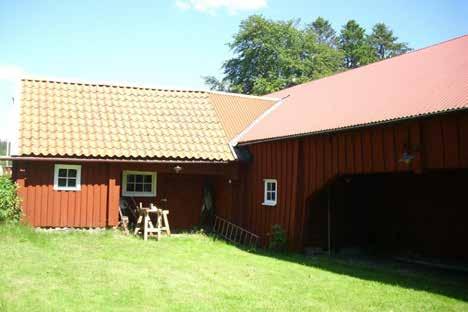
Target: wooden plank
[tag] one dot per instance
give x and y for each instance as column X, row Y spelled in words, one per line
column 415, row 145
column 38, row 196
column 450, row 139
column 389, row 149
column 377, row 150
column 320, row 160
column 463, row 139
column 358, row 165
column 103, row 197
column 341, row 153
column 432, row 143
column 71, row 222
column 292, row 221
column 32, row 198
column 349, row 153
column 367, row 158
column 328, row 158
column 89, row 198
column 402, row 144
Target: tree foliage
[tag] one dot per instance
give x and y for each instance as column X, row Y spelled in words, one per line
column 272, row 55
column 384, row 43
column 356, row 47
column 324, row 32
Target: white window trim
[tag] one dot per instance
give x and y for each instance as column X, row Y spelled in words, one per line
column 139, row 194
column 269, row 202
column 66, row 188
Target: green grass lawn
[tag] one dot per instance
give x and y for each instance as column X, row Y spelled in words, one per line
column 106, row 271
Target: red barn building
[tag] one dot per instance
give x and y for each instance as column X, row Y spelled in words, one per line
column 374, row 157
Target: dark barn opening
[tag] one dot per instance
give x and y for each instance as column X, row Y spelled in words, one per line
column 400, row 214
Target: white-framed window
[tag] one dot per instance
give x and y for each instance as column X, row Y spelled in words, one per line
column 67, row 177
column 139, row 184
column 270, row 197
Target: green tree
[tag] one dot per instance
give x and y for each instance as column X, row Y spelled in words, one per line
column 385, row 44
column 355, row 45
column 272, row 55
column 215, row 84
column 324, row 32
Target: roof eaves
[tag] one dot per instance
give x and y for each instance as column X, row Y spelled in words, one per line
column 351, row 127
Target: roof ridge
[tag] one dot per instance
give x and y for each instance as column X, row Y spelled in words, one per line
column 112, row 85
column 142, row 87
column 249, row 96
column 374, row 63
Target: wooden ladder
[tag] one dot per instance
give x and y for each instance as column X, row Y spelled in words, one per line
column 234, row 233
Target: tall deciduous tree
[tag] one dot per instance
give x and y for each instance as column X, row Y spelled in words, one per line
column 324, row 32
column 272, row 55
column 355, row 45
column 385, row 44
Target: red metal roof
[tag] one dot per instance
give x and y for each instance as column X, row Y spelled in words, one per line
column 426, row 81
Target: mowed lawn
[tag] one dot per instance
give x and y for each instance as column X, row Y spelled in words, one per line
column 107, row 271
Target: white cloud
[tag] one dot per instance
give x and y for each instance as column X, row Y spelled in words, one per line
column 11, row 72
column 211, row 6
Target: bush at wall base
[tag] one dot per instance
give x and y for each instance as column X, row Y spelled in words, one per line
column 10, row 209
column 278, row 241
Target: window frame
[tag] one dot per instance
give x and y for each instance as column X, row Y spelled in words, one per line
column 270, row 202
column 77, row 187
column 154, row 179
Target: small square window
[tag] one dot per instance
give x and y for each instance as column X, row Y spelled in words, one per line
column 67, row 177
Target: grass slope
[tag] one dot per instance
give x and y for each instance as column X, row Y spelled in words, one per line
column 107, row 271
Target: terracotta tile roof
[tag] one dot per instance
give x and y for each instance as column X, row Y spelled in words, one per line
column 426, row 81
column 236, row 112
column 105, row 121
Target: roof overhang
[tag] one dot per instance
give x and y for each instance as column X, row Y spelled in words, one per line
column 114, row 160
column 351, row 127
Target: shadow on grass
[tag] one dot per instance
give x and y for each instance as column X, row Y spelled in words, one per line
column 447, row 283
column 382, row 270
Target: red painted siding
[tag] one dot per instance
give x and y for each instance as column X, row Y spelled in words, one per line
column 43, row 206
column 96, row 204
column 439, row 142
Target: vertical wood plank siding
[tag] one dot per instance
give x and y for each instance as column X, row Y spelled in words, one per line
column 45, row 207
column 438, row 142
column 97, row 203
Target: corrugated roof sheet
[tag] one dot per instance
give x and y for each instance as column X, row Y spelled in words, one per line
column 91, row 120
column 426, row 81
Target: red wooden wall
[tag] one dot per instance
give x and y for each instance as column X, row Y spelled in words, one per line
column 303, row 166
column 43, row 206
column 96, row 204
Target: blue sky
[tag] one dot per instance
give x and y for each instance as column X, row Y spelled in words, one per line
column 172, row 43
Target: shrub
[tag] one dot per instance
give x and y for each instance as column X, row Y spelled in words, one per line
column 278, row 241
column 10, row 210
